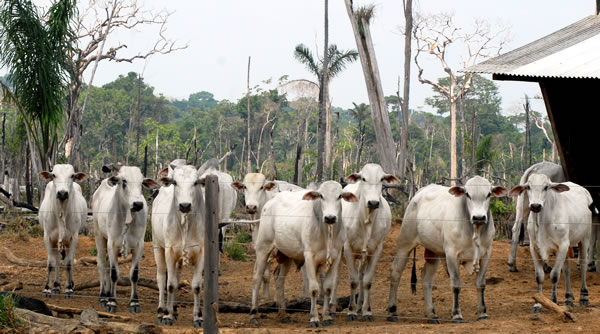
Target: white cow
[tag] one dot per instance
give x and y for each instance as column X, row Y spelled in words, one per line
column 561, row 217
column 302, row 227
column 455, row 223
column 367, row 222
column 62, row 212
column 555, row 173
column 120, row 214
column 178, row 238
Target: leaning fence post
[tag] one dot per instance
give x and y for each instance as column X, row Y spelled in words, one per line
column 211, row 255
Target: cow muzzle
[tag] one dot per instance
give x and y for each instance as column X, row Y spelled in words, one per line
column 185, row 207
column 479, row 220
column 62, row 195
column 137, row 206
column 251, row 209
column 535, row 207
column 330, row 219
column 373, row 204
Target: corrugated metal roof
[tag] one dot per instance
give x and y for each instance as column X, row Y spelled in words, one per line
column 572, row 52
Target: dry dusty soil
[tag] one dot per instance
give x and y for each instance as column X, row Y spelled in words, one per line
column 508, row 295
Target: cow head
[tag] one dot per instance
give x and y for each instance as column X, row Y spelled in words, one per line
column 372, row 178
column 477, row 193
column 63, row 177
column 186, row 187
column 257, row 191
column 537, row 187
column 330, row 195
column 129, row 182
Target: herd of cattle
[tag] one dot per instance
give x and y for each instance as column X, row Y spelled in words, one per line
column 316, row 229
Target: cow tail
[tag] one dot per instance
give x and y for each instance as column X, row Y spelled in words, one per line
column 413, row 276
column 594, row 209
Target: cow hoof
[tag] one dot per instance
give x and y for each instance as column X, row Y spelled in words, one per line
column 69, row 293
column 482, row 317
column 434, row 321
column 512, row 268
column 368, row 318
column 327, row 322
column 314, row 324
column 393, row 318
column 56, row 291
column 458, row 320
column 351, row 317
column 536, row 309
column 569, row 303
column 47, row 293
column 167, row 321
column 134, row 308
column 584, row 302
column 253, row 321
column 286, row 320
column 110, row 307
column 197, row 323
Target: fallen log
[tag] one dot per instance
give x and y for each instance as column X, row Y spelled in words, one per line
column 91, row 260
column 547, row 303
column 73, row 310
column 20, row 262
column 12, row 286
column 292, row 306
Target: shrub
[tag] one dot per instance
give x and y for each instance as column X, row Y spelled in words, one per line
column 8, row 315
column 93, row 251
column 243, row 237
column 235, row 251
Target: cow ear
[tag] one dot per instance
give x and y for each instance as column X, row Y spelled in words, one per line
column 238, row 185
column 164, row 172
column 270, row 186
column 47, row 176
column 499, row 191
column 389, row 178
column 312, row 195
column 559, row 187
column 150, row 184
column 349, row 197
column 457, row 191
column 354, row 177
column 78, row 177
column 107, row 168
column 166, row 181
column 201, row 182
column 113, row 180
column 516, row 191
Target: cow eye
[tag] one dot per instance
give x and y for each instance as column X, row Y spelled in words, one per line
column 489, row 195
column 468, row 196
column 340, row 196
column 364, row 180
column 124, row 184
column 261, row 188
column 545, row 188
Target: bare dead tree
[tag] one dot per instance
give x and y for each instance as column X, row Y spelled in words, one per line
column 96, row 23
column 408, row 18
column 433, row 35
column 537, row 119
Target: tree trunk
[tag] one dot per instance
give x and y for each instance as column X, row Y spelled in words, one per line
column 249, row 163
column 381, row 121
column 322, row 127
column 298, row 163
column 463, row 131
column 328, row 132
column 272, row 152
column 407, row 53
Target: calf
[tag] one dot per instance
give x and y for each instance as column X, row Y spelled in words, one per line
column 120, row 214
column 367, row 223
column 455, row 223
column 62, row 212
column 178, row 239
column 561, row 217
column 304, row 227
column 555, row 173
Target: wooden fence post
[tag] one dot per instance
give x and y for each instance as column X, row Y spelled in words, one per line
column 211, row 255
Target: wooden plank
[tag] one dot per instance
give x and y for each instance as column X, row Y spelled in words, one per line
column 211, row 255
column 547, row 303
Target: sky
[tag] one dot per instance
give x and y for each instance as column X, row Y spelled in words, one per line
column 222, row 34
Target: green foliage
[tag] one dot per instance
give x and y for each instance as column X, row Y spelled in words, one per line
column 235, row 251
column 93, row 251
column 148, row 233
column 243, row 237
column 9, row 318
column 484, row 153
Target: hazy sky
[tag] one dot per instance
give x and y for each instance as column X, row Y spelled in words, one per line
column 221, row 34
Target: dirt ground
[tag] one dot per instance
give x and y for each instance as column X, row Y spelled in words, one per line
column 508, row 295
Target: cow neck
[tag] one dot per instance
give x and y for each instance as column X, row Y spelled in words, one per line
column 188, row 222
column 61, row 210
column 121, row 203
column 367, row 216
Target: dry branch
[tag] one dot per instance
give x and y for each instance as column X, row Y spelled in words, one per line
column 547, row 303
column 86, row 260
column 12, row 286
column 73, row 310
column 18, row 261
column 124, row 281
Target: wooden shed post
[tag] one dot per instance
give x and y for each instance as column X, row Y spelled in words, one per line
column 211, row 255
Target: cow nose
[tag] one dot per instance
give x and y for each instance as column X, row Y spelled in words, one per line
column 62, row 195
column 137, row 206
column 330, row 219
column 251, row 209
column 185, row 207
column 373, row 204
column 479, row 219
column 536, row 207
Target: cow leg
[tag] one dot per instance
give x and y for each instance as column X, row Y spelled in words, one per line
column 161, row 281
column 569, row 297
column 196, row 286
column 367, row 281
column 583, row 260
column 333, row 298
column 480, row 284
column 453, row 271
column 280, row 289
column 516, row 231
column 113, row 260
column 266, row 278
column 103, row 270
column 594, row 244
column 53, row 258
column 134, row 274
column 429, row 269
column 69, row 256
column 539, row 268
column 304, row 282
column 398, row 265
column 313, row 288
column 172, row 259
column 329, row 287
column 561, row 256
column 262, row 255
column 354, row 281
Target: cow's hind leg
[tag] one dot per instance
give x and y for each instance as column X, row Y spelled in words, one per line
column 284, row 268
column 198, row 263
column 262, row 255
column 561, row 257
column 161, row 281
column 70, row 255
column 429, row 269
column 367, row 281
column 103, row 269
column 134, row 274
column 400, row 260
column 583, row 260
column 113, row 254
column 569, row 297
column 329, row 285
column 354, row 281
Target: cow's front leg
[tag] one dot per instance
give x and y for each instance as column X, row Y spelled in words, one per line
column 53, row 259
column 431, row 264
column 539, row 268
column 354, row 280
column 103, row 269
column 134, row 273
column 329, row 287
column 480, row 283
column 113, row 254
column 367, row 282
column 313, row 288
column 161, row 281
column 561, row 257
column 453, row 271
column 198, row 263
column 173, row 256
column 583, row 260
column 69, row 256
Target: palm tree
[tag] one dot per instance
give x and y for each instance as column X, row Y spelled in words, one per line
column 36, row 50
column 360, row 113
column 337, row 61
